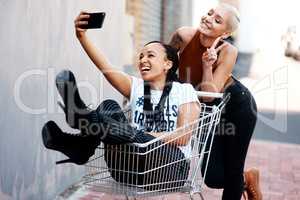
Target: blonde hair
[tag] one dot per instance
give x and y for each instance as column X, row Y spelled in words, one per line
column 234, row 18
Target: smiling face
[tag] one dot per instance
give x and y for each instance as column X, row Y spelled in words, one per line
column 219, row 21
column 153, row 63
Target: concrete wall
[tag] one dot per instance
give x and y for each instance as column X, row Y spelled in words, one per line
column 37, row 41
column 176, row 13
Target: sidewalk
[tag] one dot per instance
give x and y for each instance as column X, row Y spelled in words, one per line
column 278, row 163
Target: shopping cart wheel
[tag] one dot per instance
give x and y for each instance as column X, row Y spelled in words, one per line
column 128, row 198
column 200, row 194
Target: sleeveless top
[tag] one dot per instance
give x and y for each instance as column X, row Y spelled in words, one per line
column 190, row 62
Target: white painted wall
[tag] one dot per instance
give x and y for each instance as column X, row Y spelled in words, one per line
column 39, row 35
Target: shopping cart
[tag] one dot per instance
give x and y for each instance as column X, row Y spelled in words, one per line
column 156, row 167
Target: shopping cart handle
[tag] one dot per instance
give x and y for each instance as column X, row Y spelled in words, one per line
column 209, row 94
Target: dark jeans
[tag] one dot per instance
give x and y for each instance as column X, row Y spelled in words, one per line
column 131, row 168
column 231, row 141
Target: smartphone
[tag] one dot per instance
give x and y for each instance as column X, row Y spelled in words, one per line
column 95, row 20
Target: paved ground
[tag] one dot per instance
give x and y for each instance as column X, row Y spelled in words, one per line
column 279, row 164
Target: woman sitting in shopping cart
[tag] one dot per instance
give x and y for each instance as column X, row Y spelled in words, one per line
column 159, row 104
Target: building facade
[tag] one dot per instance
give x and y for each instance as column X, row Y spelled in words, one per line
column 157, row 19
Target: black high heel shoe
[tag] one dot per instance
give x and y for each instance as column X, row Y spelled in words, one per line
column 79, row 148
column 74, row 108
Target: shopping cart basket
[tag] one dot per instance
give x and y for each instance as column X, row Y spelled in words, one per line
column 156, row 167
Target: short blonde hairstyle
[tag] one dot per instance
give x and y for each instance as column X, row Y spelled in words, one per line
column 234, row 18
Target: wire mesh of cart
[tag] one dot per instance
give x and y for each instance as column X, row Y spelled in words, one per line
column 158, row 167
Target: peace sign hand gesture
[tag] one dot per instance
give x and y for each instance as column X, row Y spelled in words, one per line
column 210, row 56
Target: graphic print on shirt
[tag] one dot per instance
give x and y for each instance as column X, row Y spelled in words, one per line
column 140, row 101
column 167, row 124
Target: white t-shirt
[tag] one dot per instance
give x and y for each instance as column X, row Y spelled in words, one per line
column 181, row 93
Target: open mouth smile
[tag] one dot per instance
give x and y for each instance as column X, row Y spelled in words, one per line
column 145, row 69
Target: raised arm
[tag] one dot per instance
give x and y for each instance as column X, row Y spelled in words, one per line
column 176, row 40
column 181, row 37
column 225, row 57
column 118, row 79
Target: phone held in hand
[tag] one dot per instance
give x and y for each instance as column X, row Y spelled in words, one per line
column 95, row 20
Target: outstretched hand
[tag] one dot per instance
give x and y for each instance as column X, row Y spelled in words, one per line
column 210, row 56
column 80, row 21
